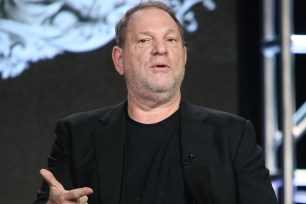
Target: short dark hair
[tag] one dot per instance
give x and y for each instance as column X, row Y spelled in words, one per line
column 122, row 24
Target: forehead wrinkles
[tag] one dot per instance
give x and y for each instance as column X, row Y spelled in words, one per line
column 150, row 33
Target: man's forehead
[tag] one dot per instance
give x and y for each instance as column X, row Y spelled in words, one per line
column 143, row 22
column 148, row 14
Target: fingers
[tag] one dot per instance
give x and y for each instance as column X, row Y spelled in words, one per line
column 50, row 179
column 83, row 199
column 79, row 193
column 58, row 194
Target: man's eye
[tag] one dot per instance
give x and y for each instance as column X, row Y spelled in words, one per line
column 143, row 40
column 171, row 40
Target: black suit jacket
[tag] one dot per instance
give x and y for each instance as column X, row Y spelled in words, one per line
column 227, row 167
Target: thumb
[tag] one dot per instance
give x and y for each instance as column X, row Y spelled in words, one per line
column 50, row 179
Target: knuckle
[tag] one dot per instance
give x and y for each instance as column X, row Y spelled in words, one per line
column 73, row 195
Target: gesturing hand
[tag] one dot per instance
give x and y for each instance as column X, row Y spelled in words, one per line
column 58, row 195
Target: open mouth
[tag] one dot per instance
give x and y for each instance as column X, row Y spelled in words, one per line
column 160, row 65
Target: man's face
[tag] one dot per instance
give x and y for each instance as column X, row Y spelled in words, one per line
column 153, row 56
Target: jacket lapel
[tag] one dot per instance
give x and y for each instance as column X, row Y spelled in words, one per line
column 109, row 151
column 196, row 140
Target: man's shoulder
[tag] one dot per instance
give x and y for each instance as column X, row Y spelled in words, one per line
column 215, row 117
column 92, row 115
column 225, row 123
column 211, row 112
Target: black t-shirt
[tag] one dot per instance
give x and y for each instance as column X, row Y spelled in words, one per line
column 153, row 170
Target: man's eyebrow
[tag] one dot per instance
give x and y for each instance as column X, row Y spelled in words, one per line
column 145, row 33
column 170, row 31
column 150, row 33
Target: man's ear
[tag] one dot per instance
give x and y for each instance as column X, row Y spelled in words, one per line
column 185, row 54
column 117, row 59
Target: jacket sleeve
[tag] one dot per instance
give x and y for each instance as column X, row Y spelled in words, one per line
column 58, row 163
column 252, row 177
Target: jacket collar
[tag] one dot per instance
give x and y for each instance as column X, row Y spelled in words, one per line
column 196, row 140
column 195, row 132
column 109, row 151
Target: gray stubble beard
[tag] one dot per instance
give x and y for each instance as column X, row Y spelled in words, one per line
column 156, row 96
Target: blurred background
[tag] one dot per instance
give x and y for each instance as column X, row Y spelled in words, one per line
column 55, row 60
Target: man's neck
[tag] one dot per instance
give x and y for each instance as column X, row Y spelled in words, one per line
column 147, row 113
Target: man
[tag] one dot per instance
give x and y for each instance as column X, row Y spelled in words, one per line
column 154, row 147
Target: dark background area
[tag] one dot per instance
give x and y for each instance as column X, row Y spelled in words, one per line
column 300, row 75
column 224, row 72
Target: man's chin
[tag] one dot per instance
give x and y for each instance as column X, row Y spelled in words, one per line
column 161, row 88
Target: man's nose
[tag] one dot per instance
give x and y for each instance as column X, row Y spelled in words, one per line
column 159, row 48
